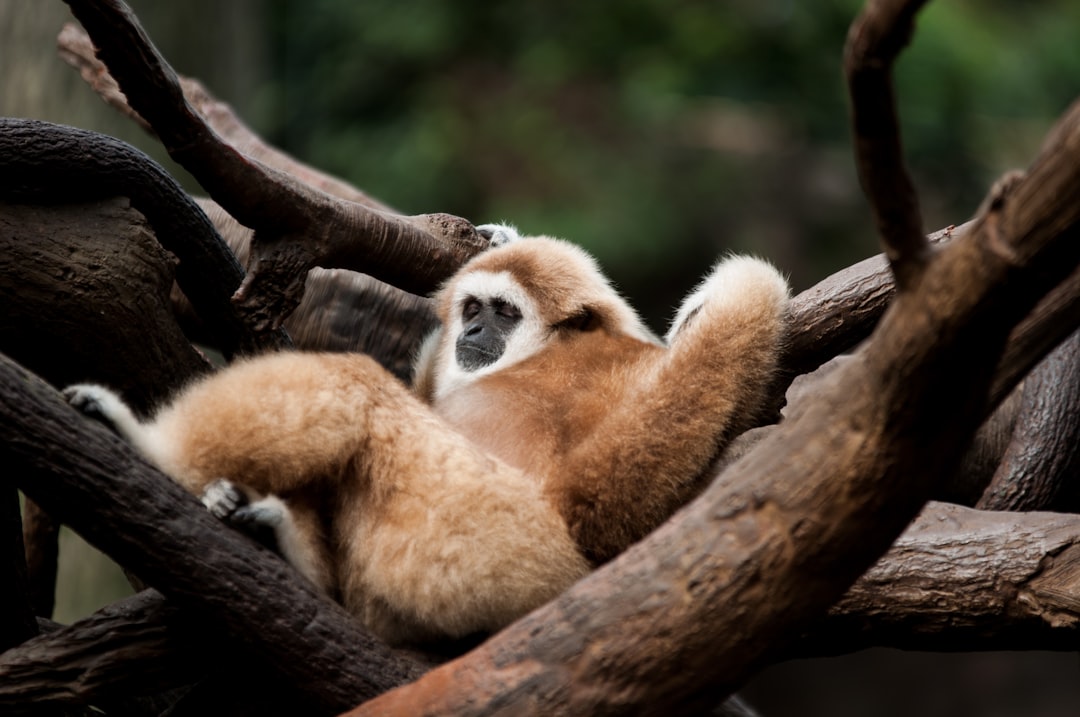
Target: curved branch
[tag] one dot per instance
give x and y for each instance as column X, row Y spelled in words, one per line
column 1043, row 458
column 77, row 50
column 875, row 40
column 40, row 161
column 296, row 227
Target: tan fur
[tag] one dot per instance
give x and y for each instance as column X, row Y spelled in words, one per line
column 460, row 512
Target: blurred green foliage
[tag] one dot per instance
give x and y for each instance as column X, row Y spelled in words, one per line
column 658, row 134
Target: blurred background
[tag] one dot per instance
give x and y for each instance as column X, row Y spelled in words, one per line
column 657, row 134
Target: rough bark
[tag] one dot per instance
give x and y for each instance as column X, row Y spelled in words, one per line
column 137, row 646
column 874, row 42
column 40, row 161
column 89, row 479
column 1041, row 468
column 341, row 310
column 90, row 281
column 964, row 579
column 296, row 226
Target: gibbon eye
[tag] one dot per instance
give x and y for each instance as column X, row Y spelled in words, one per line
column 505, row 309
column 470, row 309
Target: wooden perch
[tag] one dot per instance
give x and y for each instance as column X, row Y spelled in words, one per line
column 1043, row 460
column 296, row 226
column 89, row 479
column 963, row 579
column 875, row 40
column 40, row 161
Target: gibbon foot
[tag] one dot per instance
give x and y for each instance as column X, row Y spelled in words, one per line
column 259, row 519
column 96, row 402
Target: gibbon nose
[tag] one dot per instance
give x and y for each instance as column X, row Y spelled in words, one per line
column 474, row 330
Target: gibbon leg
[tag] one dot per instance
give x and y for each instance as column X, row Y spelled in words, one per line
column 291, row 534
column 650, row 452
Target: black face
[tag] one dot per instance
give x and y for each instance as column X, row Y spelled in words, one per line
column 487, row 324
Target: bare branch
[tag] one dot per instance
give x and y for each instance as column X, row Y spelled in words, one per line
column 875, row 40
column 963, row 579
column 296, row 227
column 841, row 310
column 1044, row 455
column 77, row 50
column 42, row 161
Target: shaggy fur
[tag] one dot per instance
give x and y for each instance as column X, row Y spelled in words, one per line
column 461, row 510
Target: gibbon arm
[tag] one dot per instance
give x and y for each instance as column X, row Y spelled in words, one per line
column 650, row 454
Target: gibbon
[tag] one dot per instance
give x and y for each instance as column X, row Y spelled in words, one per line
column 548, row 429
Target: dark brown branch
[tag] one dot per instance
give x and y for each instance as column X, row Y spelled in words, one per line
column 76, row 49
column 963, row 579
column 137, row 646
column 1040, row 331
column 41, row 537
column 90, row 480
column 1043, row 459
column 689, row 613
column 17, row 622
column 841, row 310
column 43, row 162
column 875, row 40
column 86, row 295
column 342, row 310
column 296, row 227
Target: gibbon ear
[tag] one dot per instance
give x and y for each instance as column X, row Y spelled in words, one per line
column 584, row 320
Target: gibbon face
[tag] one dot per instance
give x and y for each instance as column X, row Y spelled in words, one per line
column 507, row 305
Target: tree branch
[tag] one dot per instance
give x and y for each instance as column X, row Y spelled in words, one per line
column 1043, row 458
column 77, row 50
column 92, row 481
column 17, row 622
column 296, row 227
column 875, row 40
column 40, row 161
column 963, row 579
column 41, row 540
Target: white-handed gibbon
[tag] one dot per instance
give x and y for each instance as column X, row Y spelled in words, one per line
column 548, row 430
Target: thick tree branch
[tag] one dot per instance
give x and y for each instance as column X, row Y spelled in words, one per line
column 296, row 227
column 875, row 40
column 697, row 607
column 40, row 162
column 341, row 310
column 137, row 646
column 1043, row 459
column 92, row 481
column 963, row 579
